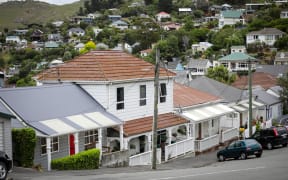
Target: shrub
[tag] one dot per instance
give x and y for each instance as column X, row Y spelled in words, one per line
column 84, row 160
column 24, row 142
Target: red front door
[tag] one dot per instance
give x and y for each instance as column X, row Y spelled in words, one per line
column 72, row 145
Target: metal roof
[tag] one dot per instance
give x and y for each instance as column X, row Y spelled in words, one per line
column 244, row 105
column 57, row 109
column 237, row 56
column 207, row 112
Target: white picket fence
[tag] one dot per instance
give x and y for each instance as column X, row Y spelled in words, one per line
column 144, row 158
column 179, row 148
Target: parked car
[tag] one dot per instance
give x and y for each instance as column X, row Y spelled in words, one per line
column 5, row 165
column 240, row 149
column 271, row 137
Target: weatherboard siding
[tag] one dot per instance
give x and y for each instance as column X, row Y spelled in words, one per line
column 132, row 109
column 6, row 136
column 42, row 159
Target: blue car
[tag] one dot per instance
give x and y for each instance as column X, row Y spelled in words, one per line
column 240, row 149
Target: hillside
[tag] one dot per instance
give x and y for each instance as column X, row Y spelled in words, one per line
column 15, row 14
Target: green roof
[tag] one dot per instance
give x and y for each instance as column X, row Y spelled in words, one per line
column 231, row 14
column 237, row 56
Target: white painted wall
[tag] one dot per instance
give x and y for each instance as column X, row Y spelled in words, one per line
column 106, row 96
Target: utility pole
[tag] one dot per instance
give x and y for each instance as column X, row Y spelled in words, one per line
column 250, row 96
column 155, row 117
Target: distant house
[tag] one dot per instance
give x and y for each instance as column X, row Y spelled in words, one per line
column 13, row 39
column 96, row 31
column 122, row 25
column 281, row 58
column 20, row 32
column 162, row 16
column 57, row 23
column 241, row 49
column 276, row 70
column 55, row 37
column 236, row 62
column 79, row 46
column 114, row 17
column 170, row 26
column 37, row 35
column 267, row 36
column 51, row 45
column 184, row 10
column 200, row 47
column 76, row 31
column 79, row 19
column 145, row 52
column 284, row 14
column 55, row 62
column 230, row 17
column 198, row 67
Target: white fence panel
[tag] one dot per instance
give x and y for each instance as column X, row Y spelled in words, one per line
column 204, row 144
column 179, row 148
column 229, row 134
column 144, row 158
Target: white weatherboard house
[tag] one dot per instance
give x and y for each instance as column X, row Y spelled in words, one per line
column 66, row 119
column 230, row 17
column 124, row 86
column 267, row 36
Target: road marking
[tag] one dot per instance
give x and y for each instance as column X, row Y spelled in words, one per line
column 211, row 173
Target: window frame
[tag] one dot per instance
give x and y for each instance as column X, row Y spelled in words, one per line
column 163, row 93
column 54, row 142
column 142, row 95
column 92, row 137
column 120, row 96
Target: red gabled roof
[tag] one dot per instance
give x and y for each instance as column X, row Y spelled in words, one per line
column 102, row 66
column 265, row 80
column 143, row 125
column 185, row 96
column 163, row 13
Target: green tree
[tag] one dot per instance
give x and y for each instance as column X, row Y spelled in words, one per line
column 221, row 74
column 283, row 83
column 90, row 45
column 282, row 43
column 165, row 5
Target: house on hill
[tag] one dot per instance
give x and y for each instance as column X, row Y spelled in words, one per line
column 267, row 36
column 124, row 86
column 231, row 17
column 65, row 118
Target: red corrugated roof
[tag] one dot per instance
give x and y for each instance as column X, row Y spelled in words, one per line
column 143, row 125
column 185, row 96
column 102, row 66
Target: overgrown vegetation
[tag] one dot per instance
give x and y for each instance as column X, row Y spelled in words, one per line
column 24, row 142
column 83, row 160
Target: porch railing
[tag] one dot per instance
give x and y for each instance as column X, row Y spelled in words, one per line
column 229, row 134
column 144, row 158
column 204, row 144
column 179, row 148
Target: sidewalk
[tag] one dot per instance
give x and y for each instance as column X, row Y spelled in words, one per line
column 186, row 161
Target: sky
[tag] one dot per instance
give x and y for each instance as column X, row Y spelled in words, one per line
column 57, row 2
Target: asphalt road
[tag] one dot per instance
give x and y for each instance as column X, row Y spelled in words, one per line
column 273, row 165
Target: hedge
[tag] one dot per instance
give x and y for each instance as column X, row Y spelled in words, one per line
column 84, row 160
column 24, row 142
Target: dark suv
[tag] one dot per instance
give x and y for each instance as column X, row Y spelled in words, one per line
column 271, row 137
column 5, row 165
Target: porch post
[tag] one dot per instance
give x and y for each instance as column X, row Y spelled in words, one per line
column 76, row 142
column 48, row 150
column 169, row 135
column 188, row 131
column 100, row 142
column 150, row 142
column 121, row 137
column 194, row 130
column 125, row 143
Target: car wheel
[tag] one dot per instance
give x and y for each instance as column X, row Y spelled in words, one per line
column 243, row 156
column 284, row 145
column 221, row 158
column 259, row 155
column 3, row 171
column 269, row 146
